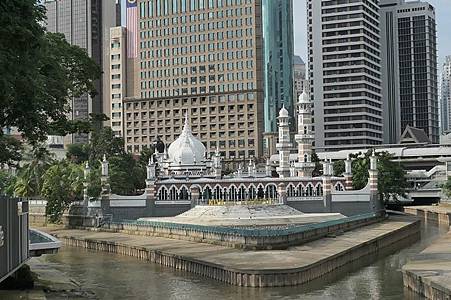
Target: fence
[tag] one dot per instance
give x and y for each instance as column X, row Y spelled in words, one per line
column 14, row 240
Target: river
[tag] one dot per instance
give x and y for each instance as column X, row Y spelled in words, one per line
column 112, row 276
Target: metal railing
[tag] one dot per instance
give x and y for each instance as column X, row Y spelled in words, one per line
column 14, row 240
column 247, row 232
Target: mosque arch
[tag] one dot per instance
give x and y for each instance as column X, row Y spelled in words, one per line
column 319, row 190
column 252, row 192
column 271, row 191
column 183, row 193
column 207, row 193
column 173, row 193
column 260, row 192
column 162, row 193
column 242, row 192
column 291, row 190
column 309, row 190
column 301, row 192
column 217, row 193
column 339, row 186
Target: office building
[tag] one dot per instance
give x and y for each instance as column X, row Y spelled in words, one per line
column 85, row 23
column 299, row 76
column 203, row 58
column 344, row 73
column 278, row 66
column 445, row 96
column 409, row 68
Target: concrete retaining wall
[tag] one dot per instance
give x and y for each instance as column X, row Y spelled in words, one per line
column 254, row 278
column 206, row 234
column 431, row 214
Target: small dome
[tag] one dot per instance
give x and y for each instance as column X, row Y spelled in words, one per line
column 186, row 149
column 304, row 97
column 283, row 113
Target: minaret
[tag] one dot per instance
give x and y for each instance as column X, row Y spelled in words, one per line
column 305, row 136
column 284, row 145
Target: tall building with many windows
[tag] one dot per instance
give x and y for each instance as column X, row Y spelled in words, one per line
column 299, row 77
column 85, row 23
column 409, row 68
column 344, row 73
column 278, row 65
column 201, row 57
column 445, row 96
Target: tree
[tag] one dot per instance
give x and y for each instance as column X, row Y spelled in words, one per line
column 318, row 171
column 29, row 180
column 339, row 168
column 392, row 182
column 10, row 150
column 40, row 72
column 77, row 153
column 7, row 181
column 104, row 142
column 126, row 176
column 62, row 184
column 446, row 188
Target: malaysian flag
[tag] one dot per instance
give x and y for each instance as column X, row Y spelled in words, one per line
column 132, row 29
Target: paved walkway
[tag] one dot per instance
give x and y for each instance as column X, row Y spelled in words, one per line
column 293, row 259
column 429, row 273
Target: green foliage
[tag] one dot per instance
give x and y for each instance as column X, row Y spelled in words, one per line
column 29, row 179
column 392, row 182
column 94, row 184
column 10, row 150
column 126, row 176
column 39, row 71
column 77, row 153
column 339, row 168
column 7, row 181
column 62, row 184
column 145, row 156
column 446, row 188
column 318, row 171
column 104, row 142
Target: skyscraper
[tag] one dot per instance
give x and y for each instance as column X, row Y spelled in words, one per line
column 299, row 77
column 85, row 23
column 409, row 68
column 200, row 57
column 445, row 97
column 278, row 63
column 344, row 73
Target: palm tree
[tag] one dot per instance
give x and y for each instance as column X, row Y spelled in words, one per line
column 29, row 180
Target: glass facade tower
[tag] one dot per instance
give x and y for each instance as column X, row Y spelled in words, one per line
column 278, row 59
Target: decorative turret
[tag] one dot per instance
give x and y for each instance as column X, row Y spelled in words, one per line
column 348, row 173
column 151, row 170
column 105, row 176
column 268, row 168
column 86, row 173
column 305, row 136
column 284, row 145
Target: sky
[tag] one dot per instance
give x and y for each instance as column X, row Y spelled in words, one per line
column 443, row 19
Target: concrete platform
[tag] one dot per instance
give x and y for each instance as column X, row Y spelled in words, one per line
column 294, row 266
column 429, row 273
column 247, row 215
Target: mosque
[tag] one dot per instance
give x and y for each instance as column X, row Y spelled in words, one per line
column 183, row 173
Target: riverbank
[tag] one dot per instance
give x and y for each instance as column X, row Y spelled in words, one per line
column 429, row 272
column 294, row 266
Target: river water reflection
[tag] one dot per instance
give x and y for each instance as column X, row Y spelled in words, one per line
column 112, row 276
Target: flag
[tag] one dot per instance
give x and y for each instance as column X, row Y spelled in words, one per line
column 132, row 29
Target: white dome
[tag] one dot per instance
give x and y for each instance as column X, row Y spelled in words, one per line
column 304, row 98
column 186, row 149
column 283, row 113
